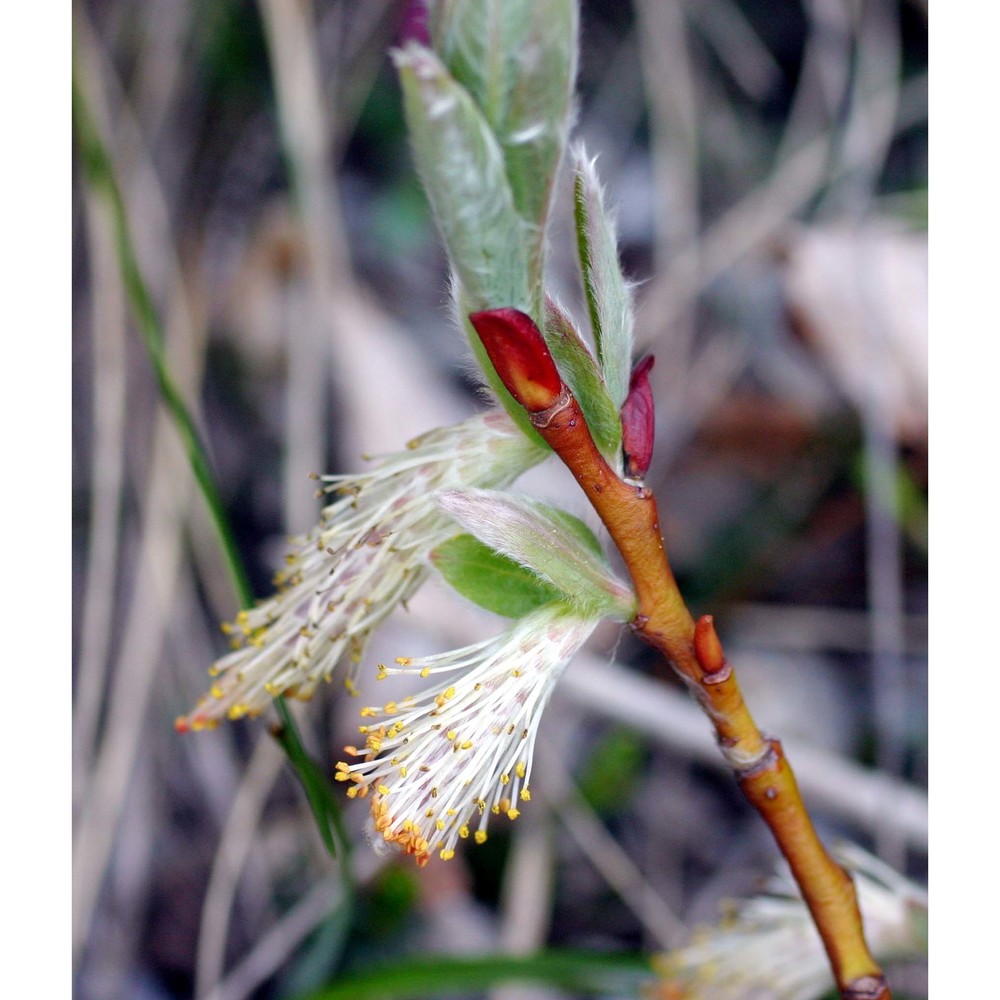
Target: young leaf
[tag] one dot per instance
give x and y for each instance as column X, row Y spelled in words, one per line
column 581, row 373
column 517, row 58
column 608, row 296
column 462, row 170
column 553, row 544
column 491, row 580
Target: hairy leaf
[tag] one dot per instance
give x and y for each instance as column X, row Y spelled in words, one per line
column 558, row 547
column 517, row 58
column 491, row 580
column 609, row 298
column 581, row 373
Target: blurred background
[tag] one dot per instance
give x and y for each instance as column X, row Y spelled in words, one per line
column 769, row 164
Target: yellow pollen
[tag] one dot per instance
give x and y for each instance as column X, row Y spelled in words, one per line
column 480, row 836
column 513, row 813
column 447, row 854
column 463, row 832
column 525, row 795
column 504, row 779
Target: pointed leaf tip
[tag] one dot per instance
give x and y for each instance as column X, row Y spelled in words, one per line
column 520, row 356
column 638, row 421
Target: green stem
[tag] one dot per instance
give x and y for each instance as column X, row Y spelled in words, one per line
column 100, row 174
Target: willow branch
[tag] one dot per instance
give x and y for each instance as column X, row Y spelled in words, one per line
column 630, row 513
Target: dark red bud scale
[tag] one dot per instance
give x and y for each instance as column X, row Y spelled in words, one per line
column 518, row 352
column 638, row 421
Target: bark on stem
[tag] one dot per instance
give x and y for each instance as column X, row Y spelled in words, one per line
column 630, row 514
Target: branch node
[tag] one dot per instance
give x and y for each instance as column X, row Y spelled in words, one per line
column 866, row 988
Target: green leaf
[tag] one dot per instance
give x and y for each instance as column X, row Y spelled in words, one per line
column 462, row 170
column 609, row 298
column 581, row 373
column 552, row 544
column 517, row 59
column 490, row 579
column 583, row 973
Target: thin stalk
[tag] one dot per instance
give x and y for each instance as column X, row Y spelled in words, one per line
column 100, row 174
column 630, row 513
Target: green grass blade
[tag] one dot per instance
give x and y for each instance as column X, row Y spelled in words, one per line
column 585, row 973
column 100, row 174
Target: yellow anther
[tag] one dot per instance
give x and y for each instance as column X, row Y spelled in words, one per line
column 382, row 673
column 426, row 672
column 352, row 688
column 505, row 779
column 463, row 832
column 521, row 768
column 449, row 694
column 513, row 813
column 447, row 854
column 480, row 836
column 402, row 772
column 525, row 795
column 403, row 661
column 439, row 824
column 466, row 744
column 390, row 708
column 383, row 789
column 217, row 691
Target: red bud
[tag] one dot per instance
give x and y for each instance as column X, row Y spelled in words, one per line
column 638, row 421
column 707, row 647
column 413, row 27
column 518, row 352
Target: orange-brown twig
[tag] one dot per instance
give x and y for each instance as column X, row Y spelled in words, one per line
column 630, row 514
column 628, row 510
